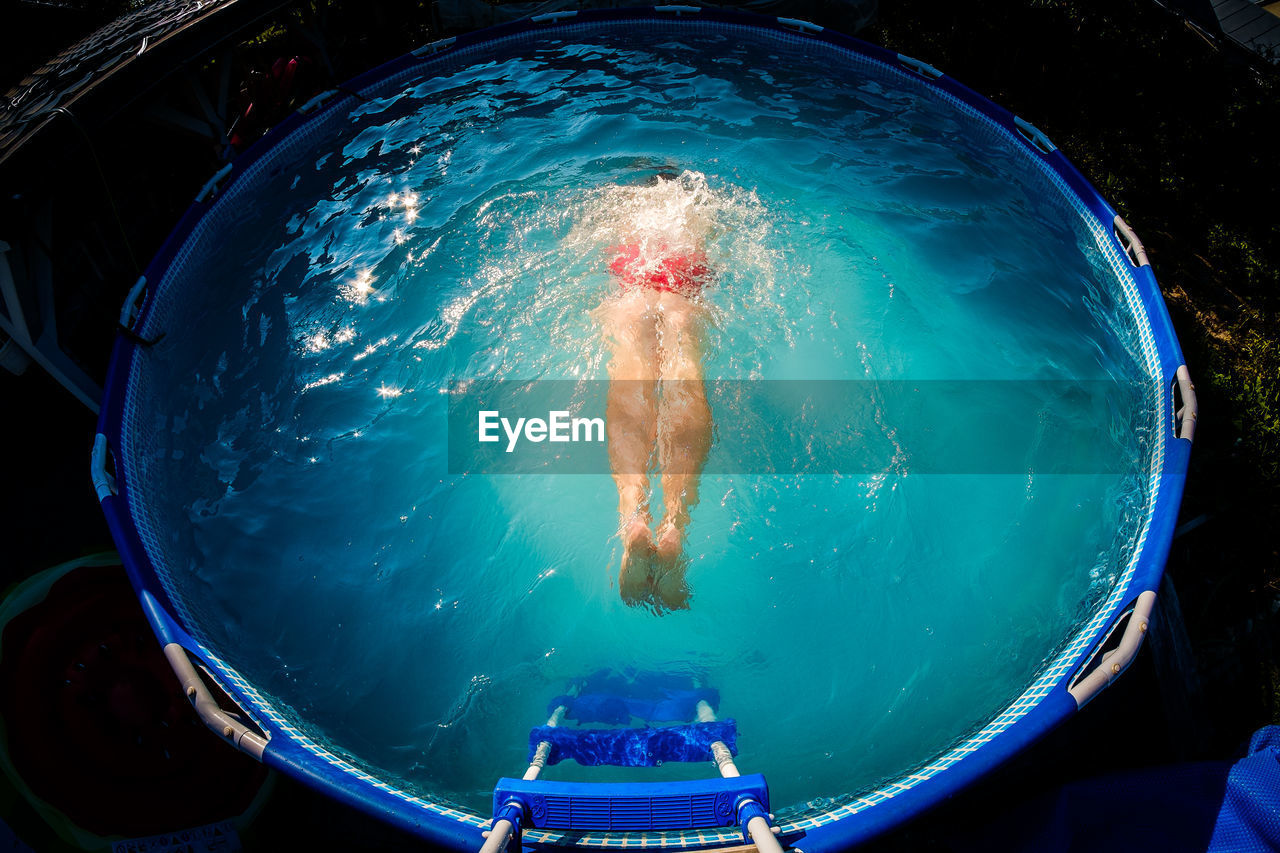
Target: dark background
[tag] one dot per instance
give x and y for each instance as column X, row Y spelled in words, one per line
column 1175, row 128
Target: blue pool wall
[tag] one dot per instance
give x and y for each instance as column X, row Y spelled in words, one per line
column 1040, row 709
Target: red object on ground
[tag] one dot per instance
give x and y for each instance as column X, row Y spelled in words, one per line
column 97, row 723
column 270, row 95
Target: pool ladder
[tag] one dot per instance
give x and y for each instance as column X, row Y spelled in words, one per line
column 578, row 807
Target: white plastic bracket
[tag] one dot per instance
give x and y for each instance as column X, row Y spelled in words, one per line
column 434, row 47
column 554, row 17
column 1118, row 659
column 104, row 485
column 1184, row 416
column 802, row 26
column 207, row 708
column 1034, row 135
column 211, row 185
column 1128, row 238
column 317, row 101
column 130, row 310
column 924, row 69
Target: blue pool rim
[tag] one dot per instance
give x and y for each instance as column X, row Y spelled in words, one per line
column 1044, row 704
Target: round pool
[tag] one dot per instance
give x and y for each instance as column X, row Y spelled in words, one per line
column 943, row 460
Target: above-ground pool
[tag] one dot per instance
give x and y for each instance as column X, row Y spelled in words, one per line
column 945, row 460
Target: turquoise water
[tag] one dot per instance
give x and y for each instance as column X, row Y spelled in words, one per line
column 420, row 620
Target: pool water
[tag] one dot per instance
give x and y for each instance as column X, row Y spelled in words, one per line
column 419, row 619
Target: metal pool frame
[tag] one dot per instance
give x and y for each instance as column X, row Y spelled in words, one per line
column 1089, row 661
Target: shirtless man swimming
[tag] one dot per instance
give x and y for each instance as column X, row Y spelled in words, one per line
column 657, row 399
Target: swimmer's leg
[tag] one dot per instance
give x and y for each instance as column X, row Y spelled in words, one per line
column 684, row 437
column 631, row 416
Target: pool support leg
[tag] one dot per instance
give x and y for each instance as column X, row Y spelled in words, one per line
column 544, row 748
column 757, row 827
column 210, row 712
column 755, row 821
column 719, row 752
column 505, row 828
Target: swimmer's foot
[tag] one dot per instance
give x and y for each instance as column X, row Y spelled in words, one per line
column 668, row 583
column 635, row 578
column 669, row 542
column 671, row 589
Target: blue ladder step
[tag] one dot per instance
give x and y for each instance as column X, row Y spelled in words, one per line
column 632, row 807
column 613, row 697
column 645, row 747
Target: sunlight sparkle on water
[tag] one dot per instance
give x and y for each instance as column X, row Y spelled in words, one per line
column 327, row 380
column 410, row 202
column 373, row 347
column 359, row 290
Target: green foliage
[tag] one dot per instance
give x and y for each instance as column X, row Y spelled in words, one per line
column 1250, row 255
column 1177, row 133
column 1251, row 380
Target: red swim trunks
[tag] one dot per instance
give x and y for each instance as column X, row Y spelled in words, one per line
column 682, row 274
